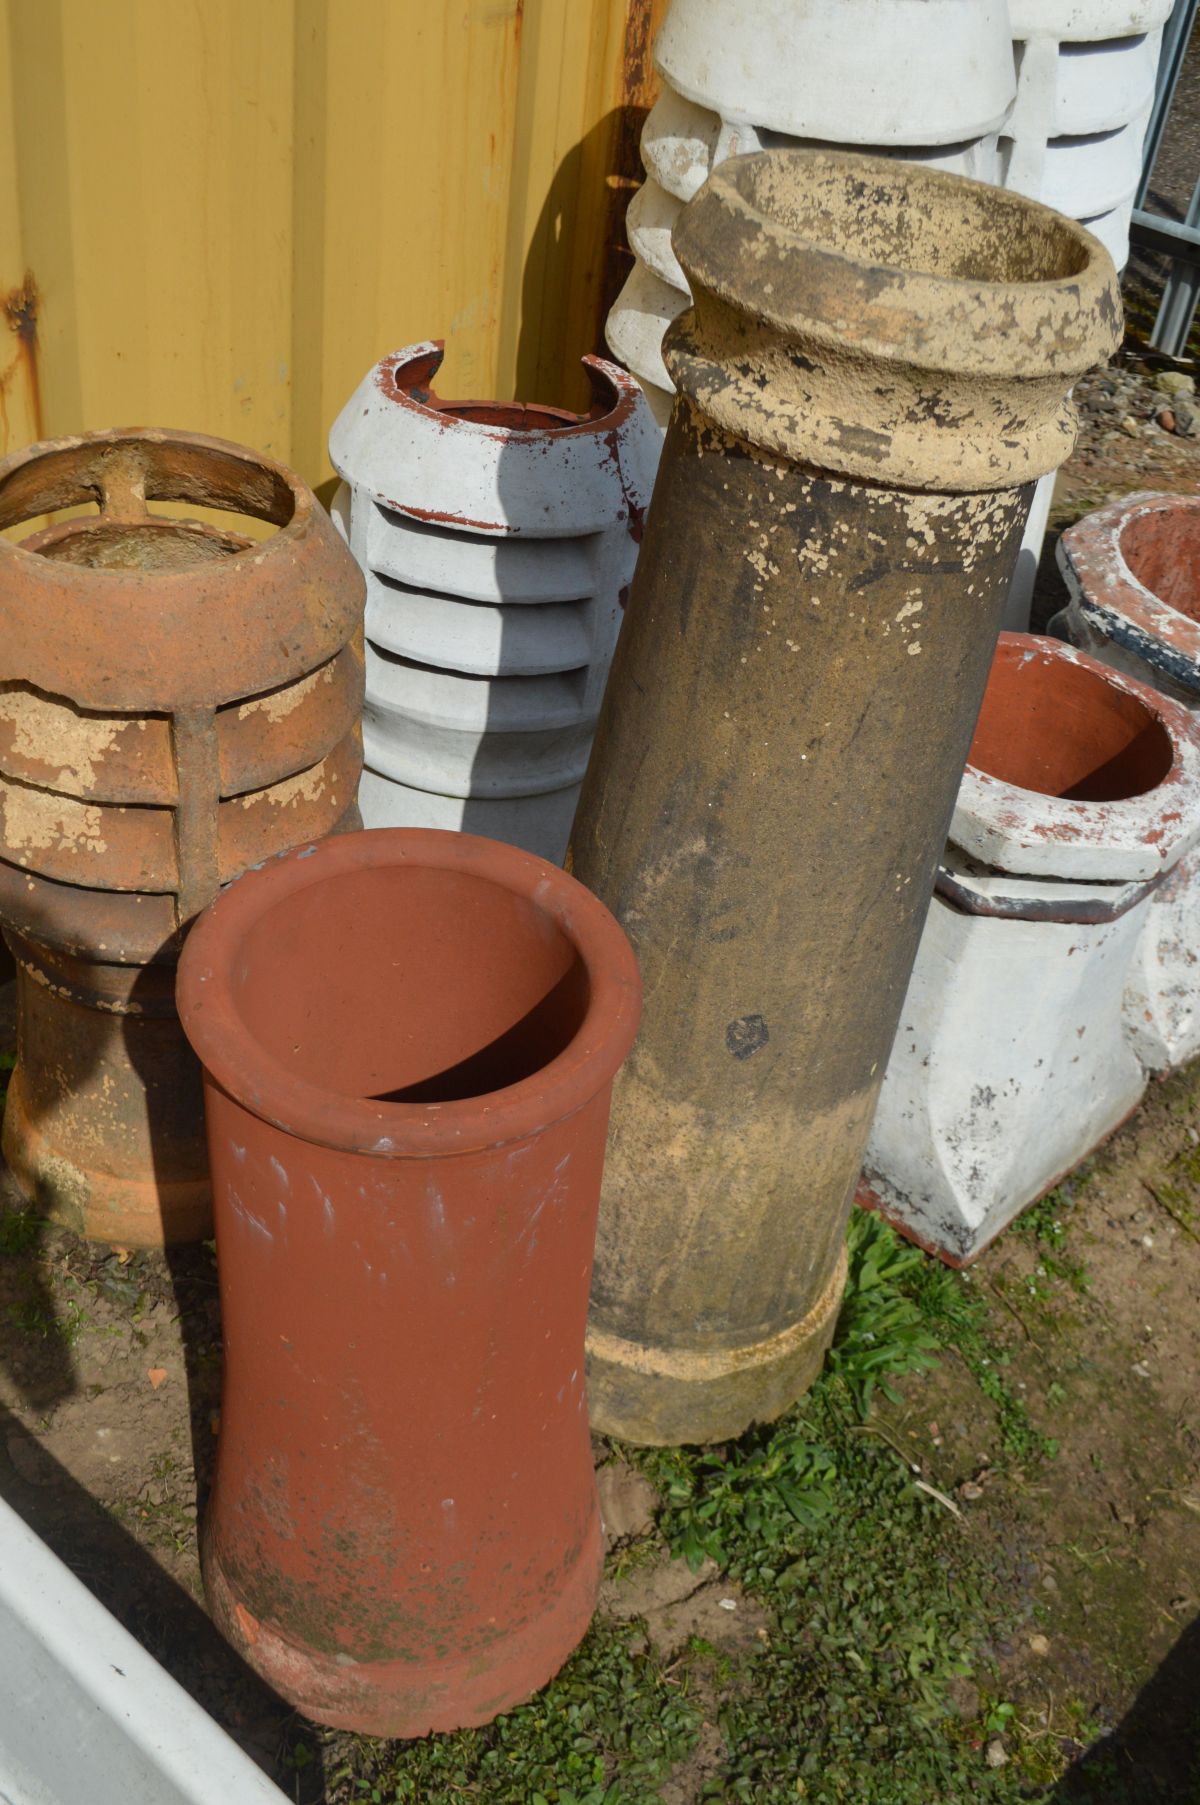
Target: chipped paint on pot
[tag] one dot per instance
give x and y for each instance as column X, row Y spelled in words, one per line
column 828, row 568
column 409, row 1040
column 498, row 541
column 180, row 699
column 1080, row 802
column 1130, row 571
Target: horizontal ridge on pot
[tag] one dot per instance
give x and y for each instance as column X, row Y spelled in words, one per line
column 846, row 71
column 498, row 540
column 929, row 82
column 970, row 301
column 1085, row 86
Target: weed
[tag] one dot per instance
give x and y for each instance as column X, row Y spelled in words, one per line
column 1047, row 1223
column 36, row 1316
column 20, row 1231
column 1177, row 1191
column 631, row 1557
column 605, row 1732
column 162, row 1511
column 741, row 1505
column 882, row 1332
column 956, row 1316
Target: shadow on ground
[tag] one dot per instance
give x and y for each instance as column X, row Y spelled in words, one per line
column 1153, row 1755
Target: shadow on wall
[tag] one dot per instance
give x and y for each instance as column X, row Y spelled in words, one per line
column 571, row 275
column 488, row 650
column 1153, row 1755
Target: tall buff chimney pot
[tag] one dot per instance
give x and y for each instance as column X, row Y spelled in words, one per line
column 873, row 375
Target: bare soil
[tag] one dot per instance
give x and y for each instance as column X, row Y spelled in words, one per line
column 1107, row 1535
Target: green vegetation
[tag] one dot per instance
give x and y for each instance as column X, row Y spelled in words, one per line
column 36, row 1314
column 1177, row 1190
column 955, row 1312
column 607, row 1731
column 1047, row 1226
column 20, row 1231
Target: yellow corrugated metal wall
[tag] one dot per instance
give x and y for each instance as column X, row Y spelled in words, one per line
column 217, row 214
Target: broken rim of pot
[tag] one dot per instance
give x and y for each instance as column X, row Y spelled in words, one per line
column 1131, row 568
column 887, row 321
column 192, row 614
column 1076, row 770
column 496, row 467
column 581, row 1010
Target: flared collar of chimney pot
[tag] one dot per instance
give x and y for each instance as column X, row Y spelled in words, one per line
column 884, row 321
column 493, row 466
column 1116, row 560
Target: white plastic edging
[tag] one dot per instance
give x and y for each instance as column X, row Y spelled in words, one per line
column 87, row 1717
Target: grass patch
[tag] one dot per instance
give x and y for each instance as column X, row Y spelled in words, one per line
column 607, row 1731
column 880, row 1600
column 955, row 1313
column 1046, row 1224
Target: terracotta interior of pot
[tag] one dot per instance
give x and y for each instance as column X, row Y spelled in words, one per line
column 910, row 218
column 415, row 985
column 1162, row 550
column 1059, row 729
column 511, row 416
column 146, row 545
column 121, row 477
column 410, row 378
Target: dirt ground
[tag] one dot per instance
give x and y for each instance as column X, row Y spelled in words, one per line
column 1106, row 1536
